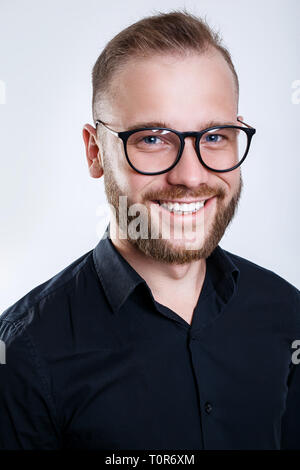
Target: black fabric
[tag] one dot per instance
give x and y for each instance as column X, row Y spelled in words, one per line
column 94, row 362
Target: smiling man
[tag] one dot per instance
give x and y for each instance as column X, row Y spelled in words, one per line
column 158, row 88
column 158, row 338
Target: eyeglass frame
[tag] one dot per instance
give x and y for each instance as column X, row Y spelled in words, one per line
column 124, row 135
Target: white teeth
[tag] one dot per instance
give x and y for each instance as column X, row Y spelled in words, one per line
column 185, row 207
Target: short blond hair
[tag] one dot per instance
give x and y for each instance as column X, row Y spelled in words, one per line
column 177, row 32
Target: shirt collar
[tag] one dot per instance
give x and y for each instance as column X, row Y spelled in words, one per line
column 117, row 276
column 224, row 273
column 119, row 279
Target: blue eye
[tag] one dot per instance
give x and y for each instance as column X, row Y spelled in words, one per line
column 151, row 139
column 212, row 137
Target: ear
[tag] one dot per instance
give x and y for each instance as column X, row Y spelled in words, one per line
column 92, row 151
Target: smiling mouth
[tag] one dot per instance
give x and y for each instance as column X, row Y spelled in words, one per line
column 184, row 207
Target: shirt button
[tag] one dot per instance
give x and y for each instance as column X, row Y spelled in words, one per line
column 208, row 407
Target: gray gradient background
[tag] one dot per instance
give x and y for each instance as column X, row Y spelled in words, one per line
column 48, row 203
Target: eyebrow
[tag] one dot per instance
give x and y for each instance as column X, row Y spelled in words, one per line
column 205, row 125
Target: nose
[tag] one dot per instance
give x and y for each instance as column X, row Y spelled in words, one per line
column 189, row 171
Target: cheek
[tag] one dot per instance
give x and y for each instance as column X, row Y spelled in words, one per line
column 136, row 185
column 231, row 181
column 117, row 165
column 128, row 180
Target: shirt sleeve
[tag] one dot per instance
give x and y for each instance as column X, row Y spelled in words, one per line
column 290, row 428
column 28, row 418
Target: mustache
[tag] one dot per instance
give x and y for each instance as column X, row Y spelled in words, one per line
column 177, row 192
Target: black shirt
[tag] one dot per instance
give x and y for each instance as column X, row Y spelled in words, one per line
column 94, row 362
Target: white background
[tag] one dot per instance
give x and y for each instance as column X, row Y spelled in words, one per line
column 48, row 201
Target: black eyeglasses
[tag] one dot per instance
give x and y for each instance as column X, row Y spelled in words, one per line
column 156, row 150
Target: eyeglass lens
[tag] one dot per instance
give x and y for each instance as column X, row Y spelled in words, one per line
column 156, row 150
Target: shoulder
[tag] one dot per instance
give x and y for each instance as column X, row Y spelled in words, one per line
column 258, row 279
column 266, row 294
column 46, row 297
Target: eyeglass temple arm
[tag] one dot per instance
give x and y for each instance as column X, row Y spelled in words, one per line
column 251, row 127
column 111, row 130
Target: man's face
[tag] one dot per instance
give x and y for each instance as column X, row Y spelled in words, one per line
column 185, row 94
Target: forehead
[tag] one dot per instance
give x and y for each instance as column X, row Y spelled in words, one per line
column 183, row 91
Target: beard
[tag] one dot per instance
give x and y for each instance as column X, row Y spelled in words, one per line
column 162, row 249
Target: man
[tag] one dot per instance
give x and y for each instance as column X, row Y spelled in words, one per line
column 158, row 338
